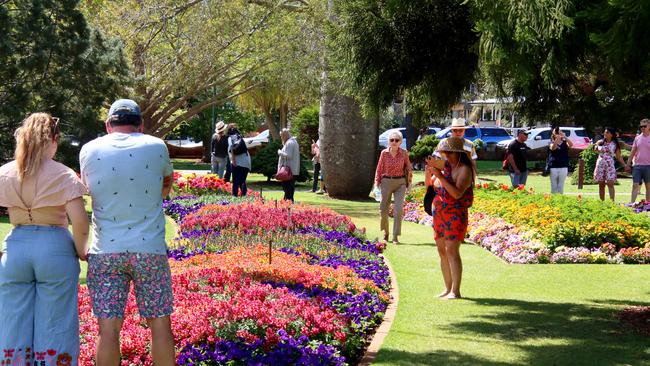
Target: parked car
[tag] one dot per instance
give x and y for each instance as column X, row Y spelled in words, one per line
column 489, row 135
column 383, row 137
column 541, row 138
column 258, row 140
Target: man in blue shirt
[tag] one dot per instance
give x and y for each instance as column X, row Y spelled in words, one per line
column 128, row 173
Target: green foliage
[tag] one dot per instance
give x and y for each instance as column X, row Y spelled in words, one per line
column 580, row 61
column 478, row 144
column 388, row 47
column 567, row 221
column 52, row 62
column 305, row 127
column 589, row 155
column 423, row 148
column 266, row 162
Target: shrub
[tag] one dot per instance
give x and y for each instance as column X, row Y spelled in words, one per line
column 478, row 144
column 266, row 162
column 423, row 148
column 305, row 127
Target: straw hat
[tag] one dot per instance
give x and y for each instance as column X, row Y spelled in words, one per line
column 220, row 127
column 453, row 144
column 458, row 123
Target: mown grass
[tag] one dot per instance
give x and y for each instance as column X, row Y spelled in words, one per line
column 511, row 314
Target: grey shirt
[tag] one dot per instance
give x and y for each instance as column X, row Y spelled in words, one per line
column 290, row 156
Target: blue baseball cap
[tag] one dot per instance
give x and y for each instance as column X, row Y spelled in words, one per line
column 124, row 107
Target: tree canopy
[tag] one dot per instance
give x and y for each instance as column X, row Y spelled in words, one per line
column 389, row 47
column 50, row 60
column 568, row 61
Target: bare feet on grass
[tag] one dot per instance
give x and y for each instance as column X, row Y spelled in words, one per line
column 443, row 294
column 452, row 296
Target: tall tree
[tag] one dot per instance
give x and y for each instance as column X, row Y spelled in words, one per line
column 386, row 48
column 585, row 62
column 50, row 60
column 182, row 49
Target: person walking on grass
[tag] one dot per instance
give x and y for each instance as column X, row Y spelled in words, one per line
column 128, row 173
column 517, row 160
column 608, row 149
column 454, row 187
column 39, row 262
column 639, row 161
column 458, row 128
column 558, row 160
column 392, row 176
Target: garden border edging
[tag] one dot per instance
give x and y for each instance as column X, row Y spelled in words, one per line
column 384, row 328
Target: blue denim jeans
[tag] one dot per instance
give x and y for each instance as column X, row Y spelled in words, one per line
column 218, row 165
column 518, row 179
column 39, row 273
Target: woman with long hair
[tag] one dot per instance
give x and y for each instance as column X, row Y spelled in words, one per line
column 558, row 159
column 454, row 195
column 39, row 263
column 608, row 149
column 392, row 176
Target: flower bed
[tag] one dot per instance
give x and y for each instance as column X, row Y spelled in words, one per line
column 254, row 284
column 522, row 227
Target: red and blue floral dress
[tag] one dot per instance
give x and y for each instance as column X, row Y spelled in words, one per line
column 451, row 215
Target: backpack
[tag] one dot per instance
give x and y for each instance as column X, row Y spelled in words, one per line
column 506, row 163
column 238, row 144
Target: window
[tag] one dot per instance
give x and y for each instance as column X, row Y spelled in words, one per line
column 545, row 135
column 470, row 133
column 494, row 132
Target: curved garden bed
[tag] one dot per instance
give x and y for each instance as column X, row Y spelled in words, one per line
column 523, row 227
column 258, row 282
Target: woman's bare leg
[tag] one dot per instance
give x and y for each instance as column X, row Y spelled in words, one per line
column 444, row 266
column 456, row 268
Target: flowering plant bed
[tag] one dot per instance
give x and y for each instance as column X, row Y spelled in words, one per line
column 261, row 283
column 522, row 227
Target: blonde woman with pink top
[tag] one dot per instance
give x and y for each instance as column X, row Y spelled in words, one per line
column 39, row 263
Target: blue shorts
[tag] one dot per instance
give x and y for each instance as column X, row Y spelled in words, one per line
column 641, row 174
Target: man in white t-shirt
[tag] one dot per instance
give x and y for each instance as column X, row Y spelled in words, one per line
column 128, row 173
column 458, row 130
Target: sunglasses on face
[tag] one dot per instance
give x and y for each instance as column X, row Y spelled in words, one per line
column 55, row 127
column 458, row 131
column 643, row 126
column 393, row 140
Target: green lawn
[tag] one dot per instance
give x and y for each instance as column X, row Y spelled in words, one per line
column 512, row 314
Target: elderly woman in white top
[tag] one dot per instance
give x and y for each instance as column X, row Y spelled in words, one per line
column 289, row 156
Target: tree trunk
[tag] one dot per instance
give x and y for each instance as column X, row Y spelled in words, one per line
column 348, row 147
column 268, row 118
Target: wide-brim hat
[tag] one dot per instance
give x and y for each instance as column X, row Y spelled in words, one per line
column 220, row 127
column 458, row 123
column 452, row 144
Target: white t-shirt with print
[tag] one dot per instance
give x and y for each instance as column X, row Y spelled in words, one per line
column 124, row 174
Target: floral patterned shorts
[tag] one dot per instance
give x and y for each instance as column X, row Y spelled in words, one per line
column 109, row 277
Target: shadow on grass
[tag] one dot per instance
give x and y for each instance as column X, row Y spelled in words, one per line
column 401, row 358
column 557, row 333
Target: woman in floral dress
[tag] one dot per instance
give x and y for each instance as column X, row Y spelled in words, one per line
column 454, row 196
column 605, row 172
